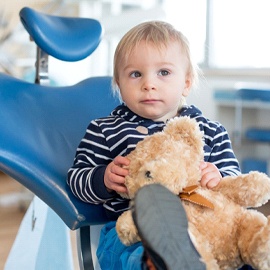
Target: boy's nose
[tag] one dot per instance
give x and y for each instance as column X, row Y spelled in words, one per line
column 148, row 85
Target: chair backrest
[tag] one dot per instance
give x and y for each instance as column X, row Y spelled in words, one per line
column 40, row 129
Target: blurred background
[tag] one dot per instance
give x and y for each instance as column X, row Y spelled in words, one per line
column 229, row 40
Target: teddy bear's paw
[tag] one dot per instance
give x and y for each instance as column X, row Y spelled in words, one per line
column 259, row 188
column 212, row 266
column 262, row 265
column 127, row 235
column 126, row 230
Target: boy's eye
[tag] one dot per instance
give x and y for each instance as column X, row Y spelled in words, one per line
column 163, row 72
column 135, row 74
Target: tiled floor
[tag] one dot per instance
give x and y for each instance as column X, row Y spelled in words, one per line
column 11, row 214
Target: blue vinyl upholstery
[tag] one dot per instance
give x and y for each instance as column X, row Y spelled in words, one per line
column 258, row 134
column 253, row 94
column 40, row 129
column 58, row 41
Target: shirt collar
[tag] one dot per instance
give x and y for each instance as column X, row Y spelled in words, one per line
column 124, row 112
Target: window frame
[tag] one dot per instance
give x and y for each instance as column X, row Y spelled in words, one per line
column 216, row 71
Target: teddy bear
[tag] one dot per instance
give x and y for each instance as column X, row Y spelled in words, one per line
column 222, row 223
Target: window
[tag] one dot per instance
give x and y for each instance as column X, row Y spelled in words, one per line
column 225, row 33
column 189, row 17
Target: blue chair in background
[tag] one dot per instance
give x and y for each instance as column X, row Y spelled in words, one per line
column 41, row 126
column 254, row 134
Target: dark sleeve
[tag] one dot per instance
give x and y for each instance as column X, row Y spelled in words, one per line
column 218, row 150
column 86, row 176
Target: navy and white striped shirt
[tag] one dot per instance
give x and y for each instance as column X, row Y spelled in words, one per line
column 116, row 135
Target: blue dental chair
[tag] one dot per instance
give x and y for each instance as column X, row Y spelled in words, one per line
column 41, row 125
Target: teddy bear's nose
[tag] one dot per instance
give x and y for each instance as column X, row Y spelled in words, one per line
column 148, row 175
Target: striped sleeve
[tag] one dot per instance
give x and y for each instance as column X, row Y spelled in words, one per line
column 91, row 152
column 218, row 149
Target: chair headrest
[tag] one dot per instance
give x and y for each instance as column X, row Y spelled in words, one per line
column 65, row 38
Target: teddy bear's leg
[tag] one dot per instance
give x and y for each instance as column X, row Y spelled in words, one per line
column 203, row 247
column 126, row 229
column 254, row 240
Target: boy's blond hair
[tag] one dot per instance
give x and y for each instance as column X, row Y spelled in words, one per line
column 158, row 33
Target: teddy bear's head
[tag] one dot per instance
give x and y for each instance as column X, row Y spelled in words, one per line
column 171, row 157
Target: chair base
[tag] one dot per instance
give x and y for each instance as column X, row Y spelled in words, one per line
column 87, row 242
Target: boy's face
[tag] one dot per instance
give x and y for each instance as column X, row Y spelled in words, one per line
column 152, row 81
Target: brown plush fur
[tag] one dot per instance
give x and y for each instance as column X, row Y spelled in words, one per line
column 226, row 237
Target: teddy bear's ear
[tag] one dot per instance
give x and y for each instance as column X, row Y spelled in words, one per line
column 187, row 130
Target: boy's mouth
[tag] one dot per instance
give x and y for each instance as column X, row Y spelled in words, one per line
column 150, row 101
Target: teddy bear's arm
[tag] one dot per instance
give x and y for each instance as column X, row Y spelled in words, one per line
column 247, row 190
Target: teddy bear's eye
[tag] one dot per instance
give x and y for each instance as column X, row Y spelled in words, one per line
column 148, row 174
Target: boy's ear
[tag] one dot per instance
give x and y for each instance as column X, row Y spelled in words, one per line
column 187, row 86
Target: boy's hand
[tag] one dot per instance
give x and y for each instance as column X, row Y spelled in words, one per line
column 114, row 178
column 210, row 175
